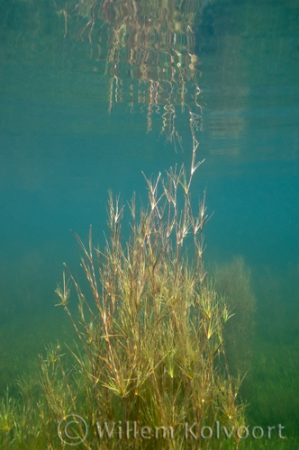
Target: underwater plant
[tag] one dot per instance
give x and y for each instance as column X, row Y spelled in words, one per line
column 150, row 369
column 151, row 366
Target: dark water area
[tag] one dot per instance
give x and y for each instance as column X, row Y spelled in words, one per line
column 61, row 152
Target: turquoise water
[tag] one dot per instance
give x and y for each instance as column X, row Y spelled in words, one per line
column 61, row 151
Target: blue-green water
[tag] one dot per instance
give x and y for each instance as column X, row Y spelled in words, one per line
column 60, row 153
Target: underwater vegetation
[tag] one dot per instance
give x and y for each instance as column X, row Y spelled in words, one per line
column 154, row 364
column 149, row 368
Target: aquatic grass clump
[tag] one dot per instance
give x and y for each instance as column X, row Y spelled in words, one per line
column 148, row 368
column 151, row 365
column 150, row 354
